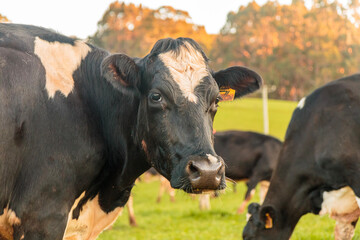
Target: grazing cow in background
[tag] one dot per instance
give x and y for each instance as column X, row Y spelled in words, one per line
column 79, row 125
column 248, row 156
column 318, row 169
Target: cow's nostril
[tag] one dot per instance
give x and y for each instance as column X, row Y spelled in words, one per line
column 220, row 172
column 193, row 170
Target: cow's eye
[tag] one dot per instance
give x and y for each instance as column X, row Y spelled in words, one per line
column 217, row 100
column 156, row 97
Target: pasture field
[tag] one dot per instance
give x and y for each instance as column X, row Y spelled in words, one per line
column 183, row 220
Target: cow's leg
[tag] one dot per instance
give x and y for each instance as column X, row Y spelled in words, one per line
column 130, row 207
column 42, row 210
column 344, row 230
column 251, row 184
column 171, row 192
column 42, row 225
column 246, row 201
column 161, row 188
column 204, row 202
column 264, row 186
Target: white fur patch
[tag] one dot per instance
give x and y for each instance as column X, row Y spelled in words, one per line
column 92, row 221
column 187, row 69
column 60, row 60
column 7, row 220
column 358, row 201
column 212, row 158
column 301, row 103
column 339, row 202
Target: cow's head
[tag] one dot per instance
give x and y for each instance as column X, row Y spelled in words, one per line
column 178, row 95
column 261, row 224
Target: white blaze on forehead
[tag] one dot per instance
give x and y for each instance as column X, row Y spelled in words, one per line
column 187, row 68
column 60, row 60
column 91, row 222
column 339, row 202
column 212, row 158
column 301, row 103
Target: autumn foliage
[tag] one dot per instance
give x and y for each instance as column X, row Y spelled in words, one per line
column 296, row 48
column 4, row 19
column 134, row 29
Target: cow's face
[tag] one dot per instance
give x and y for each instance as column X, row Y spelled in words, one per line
column 178, row 95
column 265, row 223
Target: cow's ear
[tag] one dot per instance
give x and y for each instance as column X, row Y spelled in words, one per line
column 253, row 208
column 122, row 72
column 267, row 215
column 242, row 79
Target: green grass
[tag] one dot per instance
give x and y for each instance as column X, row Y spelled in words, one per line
column 246, row 114
column 183, row 220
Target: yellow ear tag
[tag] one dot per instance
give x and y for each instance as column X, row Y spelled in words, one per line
column 268, row 221
column 227, row 94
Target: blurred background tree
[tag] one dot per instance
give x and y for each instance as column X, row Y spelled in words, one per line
column 295, row 47
column 4, row 19
column 134, row 29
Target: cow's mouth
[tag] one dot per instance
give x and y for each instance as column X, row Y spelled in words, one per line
column 189, row 189
column 203, row 191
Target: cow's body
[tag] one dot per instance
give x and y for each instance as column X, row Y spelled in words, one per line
column 248, row 156
column 51, row 146
column 76, row 121
column 318, row 167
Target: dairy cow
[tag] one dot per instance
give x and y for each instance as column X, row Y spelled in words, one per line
column 250, row 157
column 79, row 125
column 318, row 166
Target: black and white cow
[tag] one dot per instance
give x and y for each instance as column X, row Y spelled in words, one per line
column 79, row 125
column 318, row 170
column 248, row 156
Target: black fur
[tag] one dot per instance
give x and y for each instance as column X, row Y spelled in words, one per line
column 248, row 155
column 320, row 153
column 99, row 138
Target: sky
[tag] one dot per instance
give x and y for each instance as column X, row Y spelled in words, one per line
column 79, row 17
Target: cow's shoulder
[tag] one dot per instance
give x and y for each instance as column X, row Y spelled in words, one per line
column 343, row 90
column 21, row 37
column 59, row 55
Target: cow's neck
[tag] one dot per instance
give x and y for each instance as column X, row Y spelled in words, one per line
column 292, row 193
column 115, row 116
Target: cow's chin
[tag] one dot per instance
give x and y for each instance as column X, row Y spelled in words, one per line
column 202, row 191
column 186, row 187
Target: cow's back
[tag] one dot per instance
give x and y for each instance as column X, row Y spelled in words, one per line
column 242, row 152
column 328, row 120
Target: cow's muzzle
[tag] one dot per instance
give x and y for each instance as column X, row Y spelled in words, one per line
column 206, row 173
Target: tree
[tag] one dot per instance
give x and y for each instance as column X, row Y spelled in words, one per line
column 134, row 29
column 295, row 48
column 3, row 18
